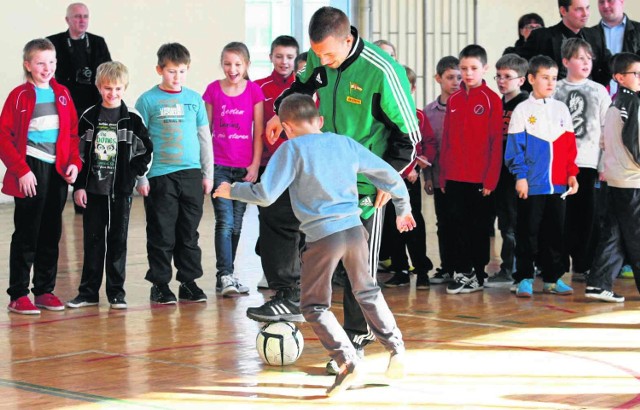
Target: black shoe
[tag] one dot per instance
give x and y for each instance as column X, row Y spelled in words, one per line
column 400, row 278
column 161, row 294
column 283, row 307
column 442, row 276
column 422, row 281
column 81, row 301
column 118, row 303
column 190, row 292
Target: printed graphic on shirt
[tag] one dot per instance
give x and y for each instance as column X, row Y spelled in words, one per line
column 578, row 108
column 229, row 124
column 105, row 150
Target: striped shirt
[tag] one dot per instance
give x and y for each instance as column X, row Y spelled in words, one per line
column 43, row 127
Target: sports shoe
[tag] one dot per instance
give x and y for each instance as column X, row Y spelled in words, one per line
column 463, row 284
column 626, row 272
column 501, row 279
column 263, row 284
column 422, row 281
column 281, row 308
column 398, row 279
column 579, row 276
column 384, row 266
column 80, row 302
column 190, row 292
column 118, row 303
column 603, row 295
column 525, row 288
column 396, row 366
column 23, row 306
column 231, row 286
column 558, row 288
column 344, row 379
column 48, row 301
column 332, row 366
column 161, row 294
column 441, row 276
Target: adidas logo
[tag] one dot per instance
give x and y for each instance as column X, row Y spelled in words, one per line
column 366, row 201
column 318, row 79
column 280, row 309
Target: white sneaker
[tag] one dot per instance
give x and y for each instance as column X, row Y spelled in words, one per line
column 603, row 295
column 396, row 367
column 231, row 286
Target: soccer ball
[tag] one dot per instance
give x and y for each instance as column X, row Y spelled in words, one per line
column 280, row 343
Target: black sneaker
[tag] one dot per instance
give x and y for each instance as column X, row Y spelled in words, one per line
column 464, row 284
column 190, row 292
column 80, row 301
column 441, row 276
column 281, row 308
column 161, row 294
column 118, row 303
column 422, row 281
column 400, row 278
column 603, row 295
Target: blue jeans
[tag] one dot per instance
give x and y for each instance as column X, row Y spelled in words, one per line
column 228, row 214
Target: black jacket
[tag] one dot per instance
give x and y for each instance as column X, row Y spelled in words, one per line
column 84, row 95
column 134, row 148
column 631, row 44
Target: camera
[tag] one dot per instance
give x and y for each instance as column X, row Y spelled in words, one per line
column 83, row 76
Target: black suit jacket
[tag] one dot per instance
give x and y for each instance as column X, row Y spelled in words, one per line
column 631, row 44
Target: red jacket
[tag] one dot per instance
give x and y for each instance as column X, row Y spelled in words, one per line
column 471, row 149
column 14, row 126
column 427, row 146
column 272, row 86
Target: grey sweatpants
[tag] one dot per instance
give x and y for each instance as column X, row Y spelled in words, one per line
column 319, row 260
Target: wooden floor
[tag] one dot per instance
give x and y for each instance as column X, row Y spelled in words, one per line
column 483, row 350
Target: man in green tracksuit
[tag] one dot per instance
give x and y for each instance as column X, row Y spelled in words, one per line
column 365, row 95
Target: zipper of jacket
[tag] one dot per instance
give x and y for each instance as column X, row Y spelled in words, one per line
column 115, row 168
column 90, row 160
column 335, row 101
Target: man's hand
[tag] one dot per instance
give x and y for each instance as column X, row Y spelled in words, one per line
column 413, row 176
column 71, row 174
column 80, row 198
column 405, row 223
column 428, row 186
column 223, row 191
column 27, row 184
column 207, row 186
column 381, row 199
column 273, row 129
column 522, row 188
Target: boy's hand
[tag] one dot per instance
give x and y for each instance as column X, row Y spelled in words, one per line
column 405, row 223
column 522, row 188
column 80, row 198
column 223, row 191
column 381, row 199
column 71, row 174
column 601, row 177
column 273, row 129
column 413, row 176
column 143, row 189
column 423, row 162
column 428, row 186
column 27, row 184
column 486, row 192
column 573, row 185
column 252, row 173
column 207, row 186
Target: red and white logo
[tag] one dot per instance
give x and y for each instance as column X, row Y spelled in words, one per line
column 478, row 109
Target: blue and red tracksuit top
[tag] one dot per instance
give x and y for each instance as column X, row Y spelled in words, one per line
column 471, row 148
column 541, row 145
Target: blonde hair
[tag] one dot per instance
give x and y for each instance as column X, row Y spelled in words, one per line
column 112, row 72
column 34, row 46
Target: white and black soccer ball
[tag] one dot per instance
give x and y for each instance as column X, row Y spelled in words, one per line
column 280, row 343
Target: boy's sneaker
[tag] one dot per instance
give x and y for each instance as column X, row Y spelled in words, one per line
column 422, row 281
column 118, row 303
column 525, row 288
column 80, row 302
column 463, row 284
column 441, row 276
column 231, row 286
column 23, row 306
column 384, row 266
column 332, row 366
column 501, row 279
column 48, row 301
column 626, row 272
column 558, row 288
column 161, row 294
column 396, row 367
column 344, row 379
column 603, row 295
column 281, row 308
column 190, row 292
column 400, row 278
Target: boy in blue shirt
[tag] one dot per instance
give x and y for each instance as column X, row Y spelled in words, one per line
column 182, row 170
column 324, row 198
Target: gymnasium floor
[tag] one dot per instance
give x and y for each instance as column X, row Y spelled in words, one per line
column 482, row 350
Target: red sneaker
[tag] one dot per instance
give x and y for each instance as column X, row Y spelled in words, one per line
column 23, row 306
column 49, row 301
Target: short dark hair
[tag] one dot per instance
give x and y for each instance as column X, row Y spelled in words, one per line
column 411, row 75
column 540, row 61
column 300, row 57
column 474, row 51
column 571, row 47
column 328, row 21
column 297, row 108
column 513, row 62
column 528, row 18
column 565, row 3
column 284, row 41
column 622, row 62
column 173, row 53
column 447, row 63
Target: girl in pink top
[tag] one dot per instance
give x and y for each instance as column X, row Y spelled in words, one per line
column 235, row 112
